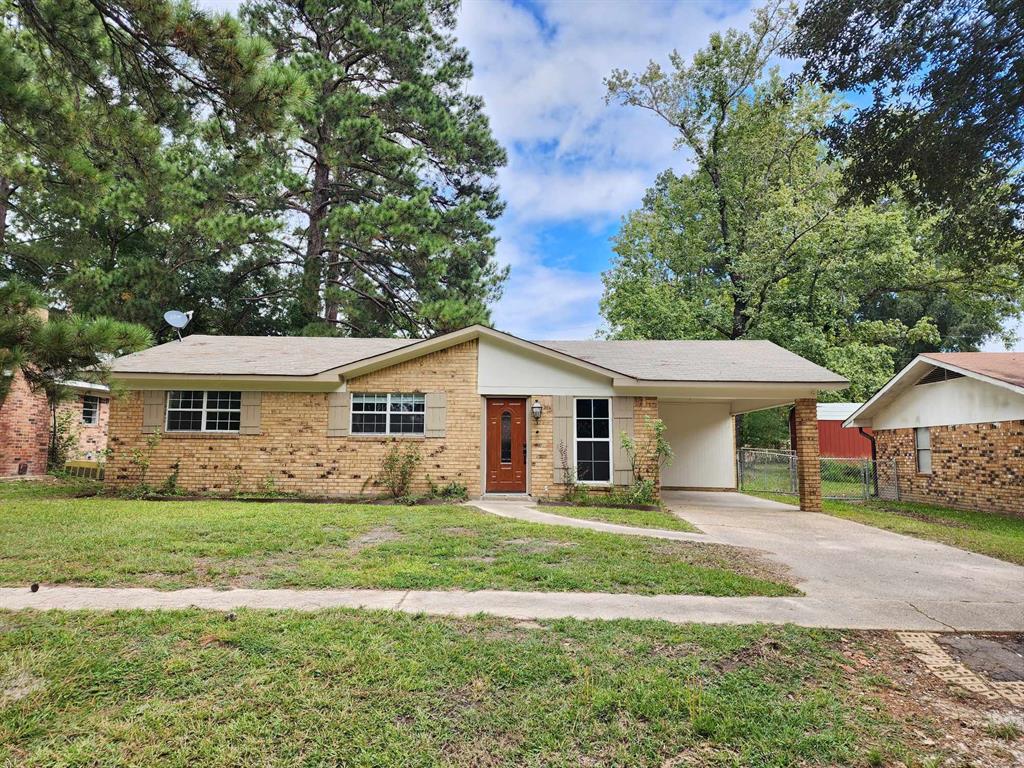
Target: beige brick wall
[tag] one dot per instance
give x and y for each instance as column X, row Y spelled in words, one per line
column 293, row 450
column 974, row 466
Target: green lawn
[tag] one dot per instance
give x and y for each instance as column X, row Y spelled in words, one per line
column 346, row 688
column 988, row 534
column 105, row 542
column 641, row 518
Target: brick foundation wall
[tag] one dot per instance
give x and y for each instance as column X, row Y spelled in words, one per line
column 974, row 466
column 294, row 453
column 24, row 430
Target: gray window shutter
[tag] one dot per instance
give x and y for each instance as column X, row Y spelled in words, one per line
column 250, row 419
column 153, row 410
column 337, row 414
column 437, row 414
column 562, row 435
column 622, row 421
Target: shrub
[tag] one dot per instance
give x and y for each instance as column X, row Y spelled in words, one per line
column 397, row 468
column 63, row 440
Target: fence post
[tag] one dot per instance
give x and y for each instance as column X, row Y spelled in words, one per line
column 739, row 469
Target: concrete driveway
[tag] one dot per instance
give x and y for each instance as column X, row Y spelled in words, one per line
column 835, row 559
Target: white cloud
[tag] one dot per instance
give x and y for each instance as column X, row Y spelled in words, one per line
column 544, row 301
column 572, row 158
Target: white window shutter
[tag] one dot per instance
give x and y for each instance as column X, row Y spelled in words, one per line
column 436, row 414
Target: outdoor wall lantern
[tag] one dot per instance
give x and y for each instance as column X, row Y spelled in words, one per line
column 536, row 409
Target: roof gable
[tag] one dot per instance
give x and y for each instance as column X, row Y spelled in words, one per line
column 923, row 366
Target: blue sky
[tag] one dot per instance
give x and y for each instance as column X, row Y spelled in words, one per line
column 576, row 165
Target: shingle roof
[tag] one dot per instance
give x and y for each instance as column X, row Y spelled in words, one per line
column 742, row 361
column 253, row 355
column 699, row 361
column 1004, row 366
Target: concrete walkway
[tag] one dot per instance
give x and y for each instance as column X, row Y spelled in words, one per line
column 805, row 611
column 854, row 577
column 523, row 510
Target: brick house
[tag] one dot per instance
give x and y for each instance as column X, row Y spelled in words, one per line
column 25, row 425
column 949, row 430
column 493, row 412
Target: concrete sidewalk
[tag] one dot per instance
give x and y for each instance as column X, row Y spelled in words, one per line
column 804, row 611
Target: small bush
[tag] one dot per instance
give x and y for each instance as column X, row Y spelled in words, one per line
column 169, row 487
column 397, row 468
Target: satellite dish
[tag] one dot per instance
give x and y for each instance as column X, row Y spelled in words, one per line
column 177, row 320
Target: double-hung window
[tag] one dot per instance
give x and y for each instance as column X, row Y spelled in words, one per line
column 198, row 411
column 593, row 440
column 923, row 450
column 90, row 410
column 393, row 414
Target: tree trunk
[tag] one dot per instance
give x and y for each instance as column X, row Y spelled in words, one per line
column 5, row 195
column 313, row 265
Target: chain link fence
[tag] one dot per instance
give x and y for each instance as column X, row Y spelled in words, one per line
column 774, row 471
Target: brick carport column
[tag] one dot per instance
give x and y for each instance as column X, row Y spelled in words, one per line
column 808, row 465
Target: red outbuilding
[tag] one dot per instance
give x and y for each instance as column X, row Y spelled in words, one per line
column 835, row 440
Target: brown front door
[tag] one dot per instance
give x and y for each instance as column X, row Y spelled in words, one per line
column 506, row 446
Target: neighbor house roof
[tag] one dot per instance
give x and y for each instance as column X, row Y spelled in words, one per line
column 690, row 361
column 1007, row 367
column 1001, row 369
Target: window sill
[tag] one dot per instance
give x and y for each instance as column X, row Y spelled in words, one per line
column 217, row 435
column 381, row 438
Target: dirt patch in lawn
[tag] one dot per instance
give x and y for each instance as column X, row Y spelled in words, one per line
column 920, row 516
column 765, row 649
column 18, row 685
column 939, row 718
column 374, row 537
column 539, row 546
column 746, row 562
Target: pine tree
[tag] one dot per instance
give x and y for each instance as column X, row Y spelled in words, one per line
column 389, row 166
column 51, row 352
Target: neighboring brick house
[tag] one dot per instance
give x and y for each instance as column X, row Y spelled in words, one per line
column 488, row 410
column 949, row 430
column 25, row 425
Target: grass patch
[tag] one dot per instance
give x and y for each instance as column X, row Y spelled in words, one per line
column 169, row 545
column 361, row 688
column 990, row 534
column 641, row 518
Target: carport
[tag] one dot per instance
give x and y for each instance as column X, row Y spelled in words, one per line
column 701, row 427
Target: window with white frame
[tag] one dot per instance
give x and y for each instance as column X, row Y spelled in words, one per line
column 923, row 449
column 392, row 414
column 90, row 410
column 199, row 411
column 593, row 440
